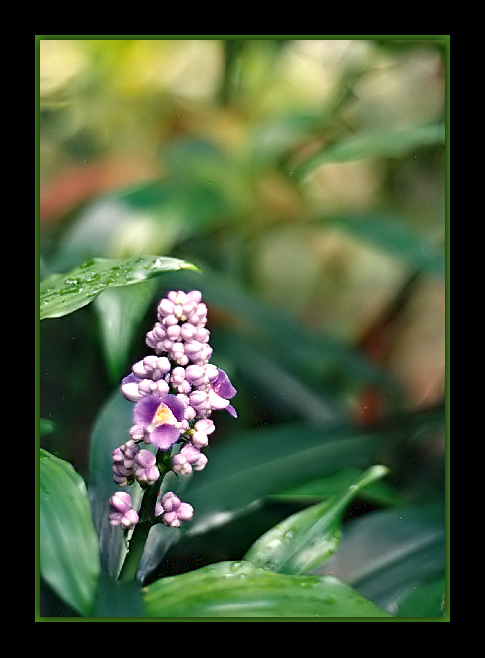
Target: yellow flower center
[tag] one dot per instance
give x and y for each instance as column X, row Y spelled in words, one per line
column 163, row 415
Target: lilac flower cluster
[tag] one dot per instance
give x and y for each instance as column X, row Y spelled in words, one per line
column 175, row 392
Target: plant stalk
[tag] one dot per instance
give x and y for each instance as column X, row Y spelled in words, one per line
column 147, row 520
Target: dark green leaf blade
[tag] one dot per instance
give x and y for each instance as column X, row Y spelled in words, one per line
column 377, row 144
column 63, row 294
column 120, row 311
column 118, row 599
column 262, row 462
column 394, row 236
column 390, row 553
column 239, row 589
column 307, row 538
column 69, row 557
column 109, row 432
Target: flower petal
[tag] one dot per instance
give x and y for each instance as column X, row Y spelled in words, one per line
column 175, row 405
column 223, row 387
column 145, row 410
column 216, row 401
column 164, row 436
column 231, row 410
column 129, row 388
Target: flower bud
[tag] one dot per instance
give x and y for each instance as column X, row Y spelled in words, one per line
column 171, row 519
column 137, row 433
column 205, row 425
column 120, row 501
column 129, row 388
column 200, row 440
column 185, row 512
column 170, row 501
column 180, row 465
column 129, row 519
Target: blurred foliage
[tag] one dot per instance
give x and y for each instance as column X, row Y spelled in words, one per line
column 305, row 178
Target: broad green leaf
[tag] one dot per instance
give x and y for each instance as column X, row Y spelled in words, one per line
column 266, row 461
column 63, row 294
column 239, row 589
column 257, row 463
column 120, row 312
column 314, row 491
column 423, row 600
column 118, row 599
column 109, row 432
column 377, row 144
column 387, row 554
column 69, row 557
column 306, row 539
column 394, row 236
column 150, row 217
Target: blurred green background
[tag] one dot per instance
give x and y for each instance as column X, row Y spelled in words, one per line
column 305, row 177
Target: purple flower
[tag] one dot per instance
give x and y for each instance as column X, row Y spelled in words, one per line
column 159, row 416
column 174, row 393
column 215, row 396
column 222, row 386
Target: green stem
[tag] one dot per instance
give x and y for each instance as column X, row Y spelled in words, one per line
column 147, row 520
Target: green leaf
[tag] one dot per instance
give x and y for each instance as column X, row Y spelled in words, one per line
column 63, row 294
column 423, row 600
column 395, row 237
column 385, row 143
column 239, row 589
column 150, row 217
column 118, row 599
column 306, row 539
column 110, row 431
column 314, row 491
column 120, row 312
column 261, row 462
column 69, row 557
column 389, row 554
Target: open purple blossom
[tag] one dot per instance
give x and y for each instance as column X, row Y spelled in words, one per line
column 214, row 396
column 159, row 416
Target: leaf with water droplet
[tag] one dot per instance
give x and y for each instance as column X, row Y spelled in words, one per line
column 240, row 589
column 63, row 294
column 306, row 539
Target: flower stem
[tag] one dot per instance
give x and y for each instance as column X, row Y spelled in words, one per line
column 147, row 520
